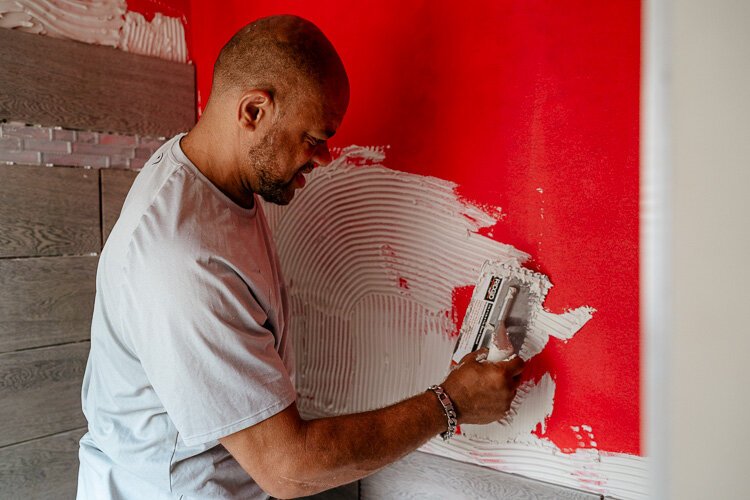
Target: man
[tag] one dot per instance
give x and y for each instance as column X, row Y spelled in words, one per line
column 188, row 389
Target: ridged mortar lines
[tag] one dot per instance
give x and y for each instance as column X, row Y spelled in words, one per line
column 562, row 326
column 92, row 22
column 372, row 257
column 405, row 364
column 162, row 37
column 390, row 213
column 530, row 408
column 101, row 22
column 612, row 474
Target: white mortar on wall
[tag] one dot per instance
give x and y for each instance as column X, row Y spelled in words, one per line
column 102, row 22
column 371, row 257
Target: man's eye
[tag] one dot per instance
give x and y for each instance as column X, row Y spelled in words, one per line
column 314, row 142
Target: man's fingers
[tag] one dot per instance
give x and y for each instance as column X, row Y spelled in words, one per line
column 477, row 355
column 515, row 366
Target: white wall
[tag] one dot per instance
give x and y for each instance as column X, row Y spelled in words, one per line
column 708, row 361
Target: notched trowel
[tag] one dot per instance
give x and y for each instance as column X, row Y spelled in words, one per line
column 504, row 296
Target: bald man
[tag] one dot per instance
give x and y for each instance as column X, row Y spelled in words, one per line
column 188, row 390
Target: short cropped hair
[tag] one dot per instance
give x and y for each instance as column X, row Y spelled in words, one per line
column 283, row 55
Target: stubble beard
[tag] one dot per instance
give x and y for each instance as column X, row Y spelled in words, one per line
column 263, row 162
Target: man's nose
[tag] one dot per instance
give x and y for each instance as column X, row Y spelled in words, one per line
column 322, row 156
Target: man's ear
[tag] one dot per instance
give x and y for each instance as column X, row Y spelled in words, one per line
column 254, row 107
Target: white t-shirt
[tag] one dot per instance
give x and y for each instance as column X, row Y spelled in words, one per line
column 189, row 340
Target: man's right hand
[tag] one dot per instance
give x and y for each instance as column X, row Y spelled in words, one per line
column 482, row 391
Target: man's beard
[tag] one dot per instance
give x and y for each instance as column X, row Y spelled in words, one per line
column 264, row 163
column 271, row 189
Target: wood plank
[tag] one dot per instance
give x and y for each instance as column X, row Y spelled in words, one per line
column 45, row 301
column 41, row 391
column 48, row 211
column 423, row 476
column 92, row 87
column 41, row 469
column 115, row 187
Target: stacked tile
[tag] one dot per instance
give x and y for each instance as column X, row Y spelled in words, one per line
column 35, row 145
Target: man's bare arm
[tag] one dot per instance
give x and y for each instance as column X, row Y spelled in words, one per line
column 290, row 457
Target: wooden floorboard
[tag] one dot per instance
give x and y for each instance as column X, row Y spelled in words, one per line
column 49, row 81
column 115, row 187
column 48, row 211
column 45, row 468
column 45, row 301
column 423, row 476
column 40, row 390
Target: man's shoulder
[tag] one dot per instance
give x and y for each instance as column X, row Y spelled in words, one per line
column 149, row 206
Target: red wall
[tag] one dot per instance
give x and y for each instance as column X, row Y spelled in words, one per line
column 170, row 8
column 503, row 98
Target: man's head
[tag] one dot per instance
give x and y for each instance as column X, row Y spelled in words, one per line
column 280, row 90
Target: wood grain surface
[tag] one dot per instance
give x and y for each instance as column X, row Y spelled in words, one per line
column 115, row 187
column 45, row 301
column 48, row 81
column 42, row 469
column 40, row 390
column 423, row 476
column 48, row 211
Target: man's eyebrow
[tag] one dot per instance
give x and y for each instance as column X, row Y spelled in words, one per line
column 324, row 136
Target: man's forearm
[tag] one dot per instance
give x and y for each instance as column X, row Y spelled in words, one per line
column 342, row 449
column 290, row 457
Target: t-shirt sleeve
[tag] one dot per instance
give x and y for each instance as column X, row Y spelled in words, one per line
column 205, row 343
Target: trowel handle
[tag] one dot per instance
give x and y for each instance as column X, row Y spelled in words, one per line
column 504, row 351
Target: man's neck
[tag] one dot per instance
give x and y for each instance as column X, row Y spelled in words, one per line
column 205, row 149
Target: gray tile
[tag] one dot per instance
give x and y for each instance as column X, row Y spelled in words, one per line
column 46, row 146
column 137, row 163
column 76, row 160
column 120, row 160
column 117, row 140
column 99, row 149
column 145, row 153
column 10, row 143
column 28, row 157
column 152, row 143
column 422, row 476
column 15, row 129
column 87, row 137
column 162, row 104
column 60, row 134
